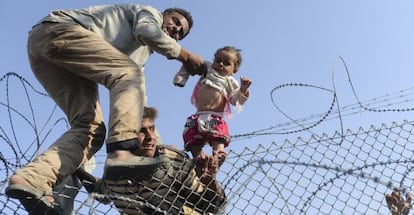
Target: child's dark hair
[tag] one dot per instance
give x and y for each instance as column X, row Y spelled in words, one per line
column 233, row 49
column 187, row 15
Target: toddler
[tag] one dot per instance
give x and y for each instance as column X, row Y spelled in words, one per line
column 212, row 97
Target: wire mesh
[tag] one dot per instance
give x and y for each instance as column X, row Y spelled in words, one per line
column 349, row 172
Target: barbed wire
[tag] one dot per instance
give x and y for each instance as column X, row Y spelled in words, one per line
column 299, row 125
column 245, row 168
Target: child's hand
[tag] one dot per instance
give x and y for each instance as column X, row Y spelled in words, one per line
column 244, row 85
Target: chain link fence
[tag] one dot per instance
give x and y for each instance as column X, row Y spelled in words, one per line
column 348, row 172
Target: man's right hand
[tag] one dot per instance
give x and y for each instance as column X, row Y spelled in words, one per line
column 193, row 63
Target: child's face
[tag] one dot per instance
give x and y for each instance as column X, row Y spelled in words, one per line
column 225, row 63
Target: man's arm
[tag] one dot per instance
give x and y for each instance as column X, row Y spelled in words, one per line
column 193, row 63
column 203, row 167
column 149, row 32
column 91, row 184
column 89, row 181
column 212, row 197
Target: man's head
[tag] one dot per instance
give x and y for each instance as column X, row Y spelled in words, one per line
column 177, row 23
column 147, row 137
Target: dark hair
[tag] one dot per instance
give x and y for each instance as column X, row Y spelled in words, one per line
column 185, row 13
column 232, row 49
column 150, row 112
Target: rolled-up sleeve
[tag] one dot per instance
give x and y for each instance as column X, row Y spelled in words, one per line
column 148, row 31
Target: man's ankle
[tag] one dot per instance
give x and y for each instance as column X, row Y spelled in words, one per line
column 130, row 145
column 119, row 155
column 16, row 179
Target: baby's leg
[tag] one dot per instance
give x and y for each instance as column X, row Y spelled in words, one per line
column 195, row 149
column 219, row 154
column 218, row 146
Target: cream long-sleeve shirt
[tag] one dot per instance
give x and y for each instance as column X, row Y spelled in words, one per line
column 133, row 29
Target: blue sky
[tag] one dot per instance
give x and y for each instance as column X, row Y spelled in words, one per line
column 293, row 41
column 281, row 42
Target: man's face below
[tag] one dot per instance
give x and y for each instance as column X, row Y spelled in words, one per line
column 147, row 139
